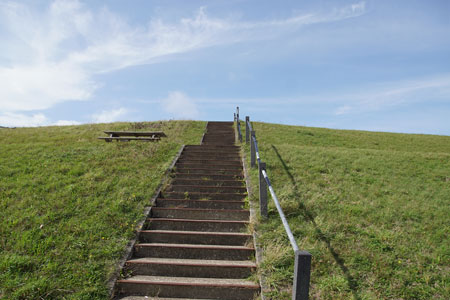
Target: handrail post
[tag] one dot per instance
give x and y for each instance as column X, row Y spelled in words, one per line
column 262, row 191
column 240, row 132
column 252, row 149
column 247, row 133
column 302, row 274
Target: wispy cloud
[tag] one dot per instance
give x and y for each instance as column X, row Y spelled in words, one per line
column 180, row 106
column 22, row 120
column 392, row 94
column 53, row 56
column 9, row 119
column 108, row 116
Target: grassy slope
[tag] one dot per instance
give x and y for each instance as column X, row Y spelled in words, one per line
column 372, row 208
column 69, row 204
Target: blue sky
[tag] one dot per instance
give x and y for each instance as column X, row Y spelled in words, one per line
column 369, row 65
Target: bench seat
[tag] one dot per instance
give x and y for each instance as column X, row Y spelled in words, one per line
column 136, row 133
column 110, row 138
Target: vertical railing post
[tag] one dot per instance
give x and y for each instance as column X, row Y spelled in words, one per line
column 262, row 191
column 247, row 133
column 252, row 149
column 302, row 275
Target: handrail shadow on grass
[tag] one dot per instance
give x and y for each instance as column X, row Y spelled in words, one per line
column 309, row 216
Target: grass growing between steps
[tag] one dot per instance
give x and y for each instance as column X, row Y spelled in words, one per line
column 372, row 208
column 69, row 203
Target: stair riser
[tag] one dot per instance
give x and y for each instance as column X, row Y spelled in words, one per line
column 212, row 147
column 190, row 170
column 200, row 239
column 215, row 162
column 156, row 269
column 219, row 157
column 212, row 152
column 196, row 226
column 216, row 166
column 204, row 189
column 186, row 291
column 207, row 177
column 201, row 214
column 213, row 140
column 203, row 196
column 191, row 253
column 200, row 204
column 206, row 182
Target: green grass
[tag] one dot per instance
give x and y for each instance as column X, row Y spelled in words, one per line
column 372, row 208
column 69, row 204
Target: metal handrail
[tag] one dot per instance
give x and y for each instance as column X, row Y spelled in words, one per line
column 302, row 264
column 255, row 142
column 249, row 125
column 239, row 130
column 281, row 213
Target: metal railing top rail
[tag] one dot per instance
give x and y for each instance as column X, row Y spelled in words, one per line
column 281, row 213
column 302, row 264
column 255, row 142
column 249, row 125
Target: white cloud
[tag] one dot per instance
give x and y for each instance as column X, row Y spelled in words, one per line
column 21, row 120
column 53, row 56
column 10, row 119
column 66, row 123
column 108, row 116
column 180, row 106
column 391, row 94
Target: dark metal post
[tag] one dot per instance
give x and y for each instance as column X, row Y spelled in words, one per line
column 234, row 118
column 302, row 274
column 262, row 191
column 247, row 133
column 252, row 150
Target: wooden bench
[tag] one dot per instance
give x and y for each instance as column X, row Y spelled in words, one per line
column 133, row 136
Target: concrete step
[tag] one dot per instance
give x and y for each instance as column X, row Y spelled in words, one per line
column 210, row 166
column 196, row 268
column 207, row 182
column 209, row 161
column 194, row 237
column 199, row 170
column 211, row 151
column 218, row 140
column 191, row 251
column 196, row 225
column 203, row 196
column 205, row 189
column 154, row 298
column 200, row 213
column 209, row 156
column 206, row 176
column 211, row 204
column 213, row 148
column 199, row 288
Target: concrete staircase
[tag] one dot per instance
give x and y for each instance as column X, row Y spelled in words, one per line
column 195, row 245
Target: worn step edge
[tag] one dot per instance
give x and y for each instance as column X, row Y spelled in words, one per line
column 194, row 246
column 208, row 182
column 194, row 221
column 187, row 186
column 205, row 233
column 177, row 174
column 194, row 262
column 183, row 202
column 198, row 196
column 187, row 281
